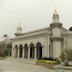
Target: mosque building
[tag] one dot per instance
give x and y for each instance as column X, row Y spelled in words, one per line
column 46, row 42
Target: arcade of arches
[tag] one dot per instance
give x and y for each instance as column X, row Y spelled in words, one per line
column 31, row 51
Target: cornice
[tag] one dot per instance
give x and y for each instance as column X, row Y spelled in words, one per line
column 57, row 38
column 56, row 25
column 41, row 33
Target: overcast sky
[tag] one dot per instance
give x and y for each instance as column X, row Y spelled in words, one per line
column 32, row 14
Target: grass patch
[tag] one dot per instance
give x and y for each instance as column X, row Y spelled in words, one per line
column 47, row 61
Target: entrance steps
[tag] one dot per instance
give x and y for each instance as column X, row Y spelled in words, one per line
column 21, row 60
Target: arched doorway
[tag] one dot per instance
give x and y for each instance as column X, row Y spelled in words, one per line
column 16, row 50
column 39, row 50
column 20, row 47
column 25, row 51
column 32, row 50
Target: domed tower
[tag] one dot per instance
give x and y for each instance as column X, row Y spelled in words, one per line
column 19, row 31
column 55, row 17
column 56, row 38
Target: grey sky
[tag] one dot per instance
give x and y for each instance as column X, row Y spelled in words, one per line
column 32, row 14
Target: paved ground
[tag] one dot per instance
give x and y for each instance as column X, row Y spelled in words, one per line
column 13, row 66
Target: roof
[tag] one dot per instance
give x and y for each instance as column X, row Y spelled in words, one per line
column 35, row 32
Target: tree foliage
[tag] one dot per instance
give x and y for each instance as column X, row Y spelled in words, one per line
column 5, row 35
column 5, row 49
column 70, row 28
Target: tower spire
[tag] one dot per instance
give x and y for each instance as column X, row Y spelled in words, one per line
column 55, row 12
column 19, row 29
column 55, row 17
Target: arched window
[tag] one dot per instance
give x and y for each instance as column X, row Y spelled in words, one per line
column 20, row 46
column 32, row 45
column 38, row 45
column 16, row 46
column 25, row 45
column 16, row 50
column 39, row 50
column 32, row 50
column 21, row 49
column 25, row 50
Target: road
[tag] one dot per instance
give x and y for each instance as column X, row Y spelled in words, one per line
column 11, row 66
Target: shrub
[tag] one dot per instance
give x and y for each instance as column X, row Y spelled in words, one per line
column 51, row 62
column 47, row 61
column 66, row 56
column 2, row 54
column 45, row 58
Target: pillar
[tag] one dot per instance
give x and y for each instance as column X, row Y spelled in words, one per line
column 28, row 53
column 14, row 51
column 18, row 52
column 23, row 53
column 35, row 55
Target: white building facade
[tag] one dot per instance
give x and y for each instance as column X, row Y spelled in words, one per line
column 46, row 42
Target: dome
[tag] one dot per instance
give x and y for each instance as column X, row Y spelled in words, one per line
column 19, row 29
column 55, row 16
column 55, row 12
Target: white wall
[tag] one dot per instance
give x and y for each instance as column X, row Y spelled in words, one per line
column 56, row 49
column 43, row 39
column 56, row 32
column 69, row 42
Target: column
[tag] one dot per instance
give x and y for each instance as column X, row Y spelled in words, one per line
column 14, row 52
column 32, row 52
column 23, row 53
column 35, row 55
column 18, row 52
column 28, row 53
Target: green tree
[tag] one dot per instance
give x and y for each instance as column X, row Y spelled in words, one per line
column 8, row 49
column 70, row 28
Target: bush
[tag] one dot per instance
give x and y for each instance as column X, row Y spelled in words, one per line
column 47, row 61
column 51, row 62
column 45, row 58
column 66, row 56
column 2, row 54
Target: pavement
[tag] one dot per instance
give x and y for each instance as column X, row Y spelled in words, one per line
column 62, row 66
column 11, row 65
